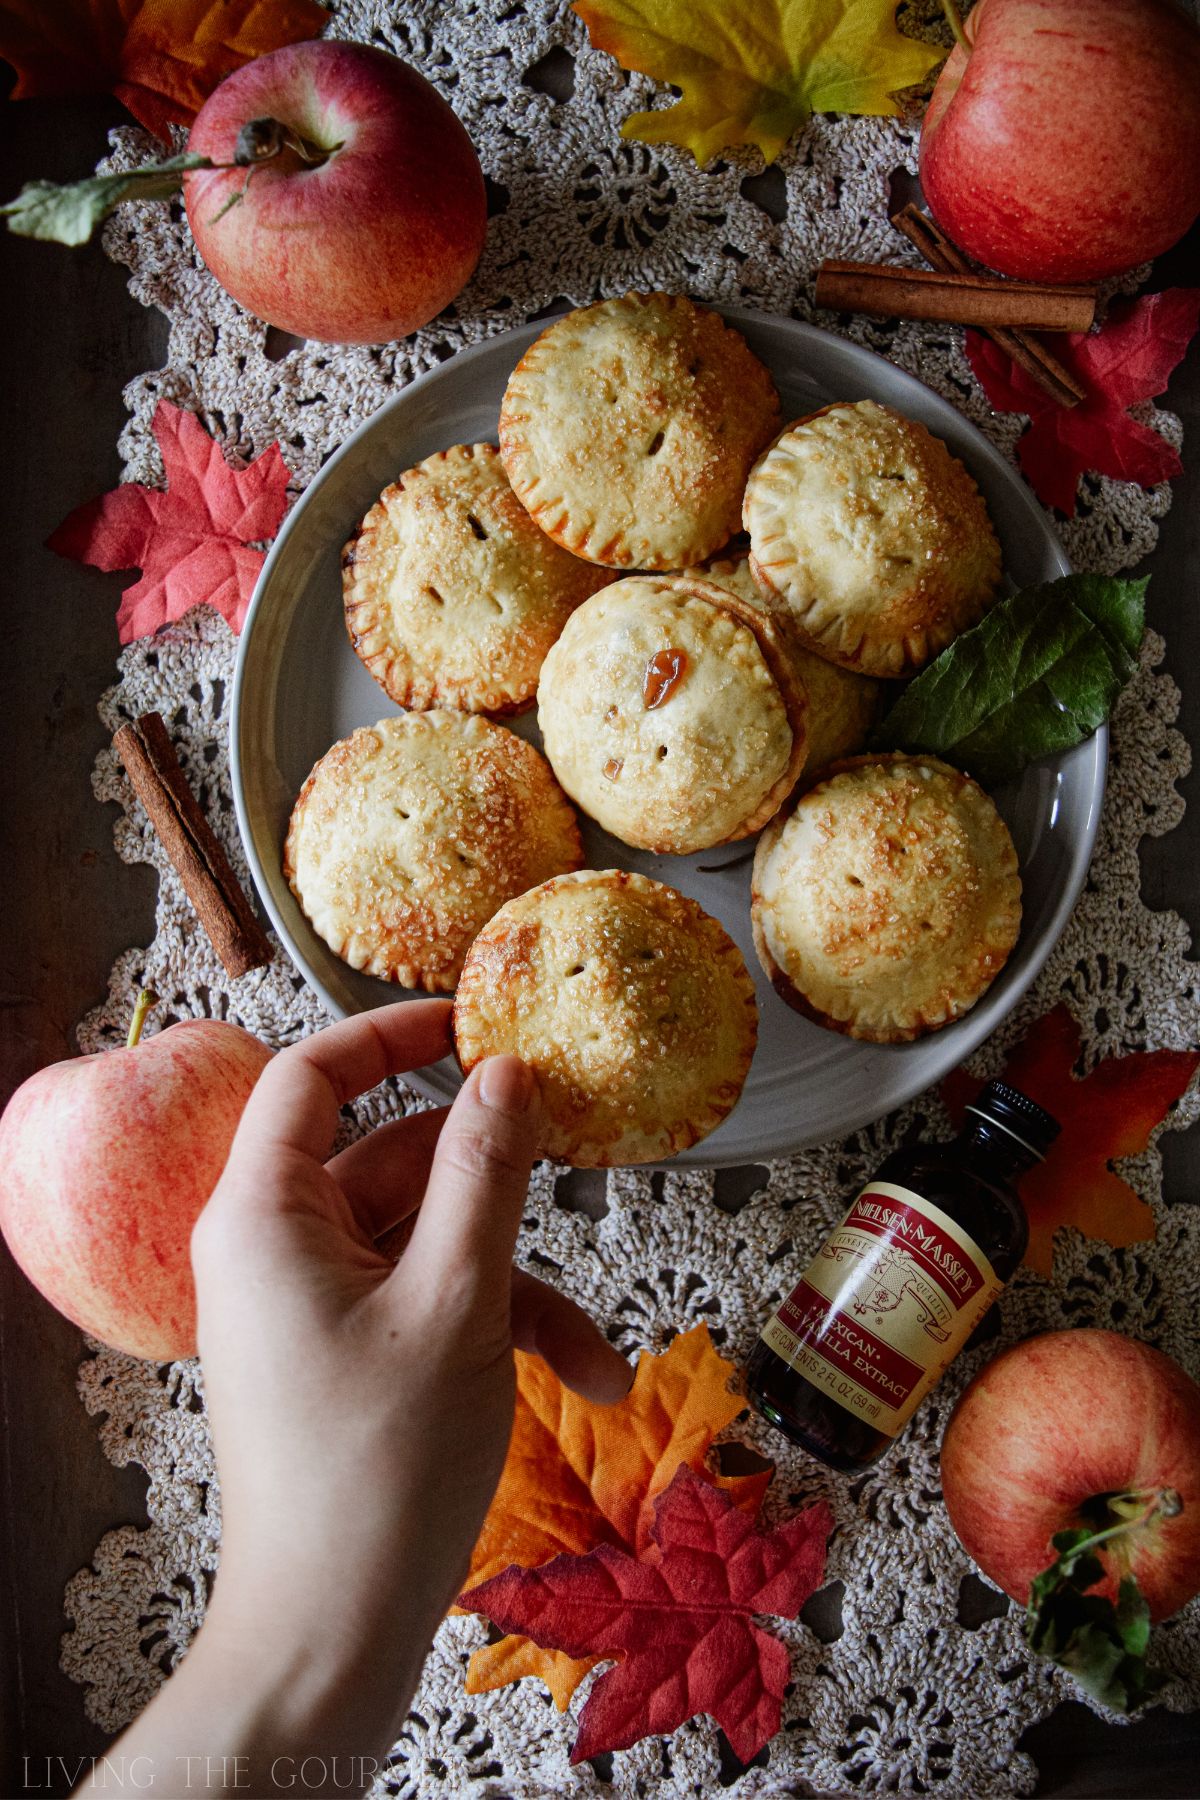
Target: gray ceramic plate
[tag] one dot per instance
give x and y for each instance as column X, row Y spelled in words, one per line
column 299, row 687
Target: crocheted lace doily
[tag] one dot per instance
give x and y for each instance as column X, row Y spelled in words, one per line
column 906, row 1697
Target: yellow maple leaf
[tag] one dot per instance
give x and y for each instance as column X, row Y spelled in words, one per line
column 578, row 1475
column 752, row 71
column 161, row 58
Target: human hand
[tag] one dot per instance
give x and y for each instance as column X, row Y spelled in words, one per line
column 361, row 1412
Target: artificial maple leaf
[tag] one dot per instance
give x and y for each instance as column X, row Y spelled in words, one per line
column 192, row 541
column 679, row 1617
column 578, row 1475
column 1110, row 1112
column 751, row 74
column 160, row 58
column 1129, row 359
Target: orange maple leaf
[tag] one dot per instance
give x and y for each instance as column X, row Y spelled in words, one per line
column 161, row 58
column 1112, row 1111
column 579, row 1475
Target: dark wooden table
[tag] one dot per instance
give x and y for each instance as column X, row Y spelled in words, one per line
column 73, row 336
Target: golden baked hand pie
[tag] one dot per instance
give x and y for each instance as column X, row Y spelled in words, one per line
column 886, row 900
column 629, row 427
column 633, row 1006
column 452, row 594
column 670, row 713
column 842, row 707
column 409, row 834
column 872, row 535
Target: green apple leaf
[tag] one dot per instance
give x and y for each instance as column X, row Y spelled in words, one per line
column 1103, row 1646
column 1039, row 673
column 1072, row 1564
column 69, row 212
column 1133, row 1618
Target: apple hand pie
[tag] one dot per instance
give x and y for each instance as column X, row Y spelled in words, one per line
column 671, row 714
column 409, row 834
column 452, row 595
column 628, row 429
column 873, row 536
column 886, row 900
column 632, row 1005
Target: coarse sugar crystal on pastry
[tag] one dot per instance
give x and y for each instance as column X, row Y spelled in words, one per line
column 628, row 429
column 452, row 595
column 671, row 714
column 409, row 834
column 632, row 1005
column 886, row 899
column 842, row 706
column 874, row 537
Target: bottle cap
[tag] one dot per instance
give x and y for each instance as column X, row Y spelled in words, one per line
column 1018, row 1115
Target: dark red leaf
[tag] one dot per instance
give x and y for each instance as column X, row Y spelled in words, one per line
column 1129, row 359
column 680, row 1618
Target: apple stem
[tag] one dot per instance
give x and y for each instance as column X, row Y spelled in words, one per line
column 145, row 1000
column 261, row 140
column 954, row 20
column 1165, row 1501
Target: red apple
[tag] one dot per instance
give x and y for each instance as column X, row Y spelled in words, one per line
column 1051, row 1428
column 1066, row 144
column 105, row 1164
column 372, row 235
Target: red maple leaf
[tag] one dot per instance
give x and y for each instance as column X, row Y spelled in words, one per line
column 1110, row 1112
column 680, row 1620
column 1129, row 359
column 192, row 540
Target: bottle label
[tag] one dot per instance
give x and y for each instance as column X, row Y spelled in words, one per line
column 889, row 1301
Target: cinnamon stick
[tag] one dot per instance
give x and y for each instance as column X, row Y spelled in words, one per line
column 1039, row 363
column 890, row 291
column 149, row 759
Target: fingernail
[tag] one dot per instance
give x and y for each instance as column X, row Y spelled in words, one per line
column 506, row 1084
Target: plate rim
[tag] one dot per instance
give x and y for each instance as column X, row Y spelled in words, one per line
column 975, row 1026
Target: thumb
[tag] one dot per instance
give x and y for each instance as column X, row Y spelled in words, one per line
column 466, row 1229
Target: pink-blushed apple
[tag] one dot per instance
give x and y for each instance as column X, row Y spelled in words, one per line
column 371, row 217
column 106, row 1163
column 1066, row 145
column 1052, row 1429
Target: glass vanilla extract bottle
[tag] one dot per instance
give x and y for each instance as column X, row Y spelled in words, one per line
column 896, row 1290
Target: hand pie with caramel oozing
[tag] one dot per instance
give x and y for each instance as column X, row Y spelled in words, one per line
column 452, row 595
column 873, row 536
column 628, row 429
column 631, row 1004
column 409, row 834
column 886, row 899
column 670, row 713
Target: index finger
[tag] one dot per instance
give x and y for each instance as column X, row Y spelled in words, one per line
column 297, row 1098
